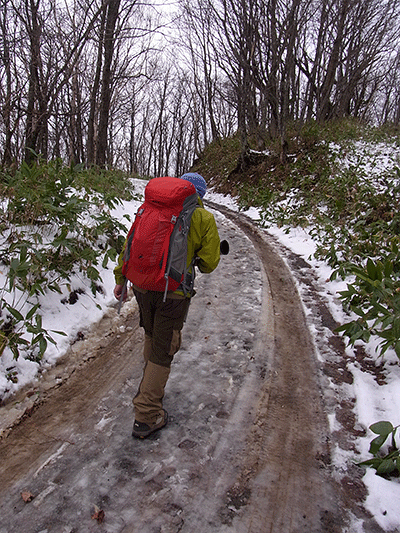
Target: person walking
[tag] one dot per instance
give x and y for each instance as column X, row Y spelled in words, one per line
column 163, row 318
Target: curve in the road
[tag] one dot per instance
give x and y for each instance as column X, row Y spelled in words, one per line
column 246, row 450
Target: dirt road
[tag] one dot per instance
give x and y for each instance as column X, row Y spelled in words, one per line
column 247, row 449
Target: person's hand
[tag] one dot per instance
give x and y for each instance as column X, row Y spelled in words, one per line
column 118, row 291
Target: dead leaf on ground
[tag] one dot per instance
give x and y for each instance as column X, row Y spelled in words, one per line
column 27, row 496
column 98, row 514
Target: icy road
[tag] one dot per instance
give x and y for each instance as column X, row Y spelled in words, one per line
column 247, row 448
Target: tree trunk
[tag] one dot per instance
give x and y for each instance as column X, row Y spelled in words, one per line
column 91, row 138
column 106, row 82
column 33, row 118
column 6, row 109
column 324, row 110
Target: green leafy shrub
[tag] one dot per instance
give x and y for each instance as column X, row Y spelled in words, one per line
column 56, row 222
column 16, row 327
column 374, row 297
column 386, row 463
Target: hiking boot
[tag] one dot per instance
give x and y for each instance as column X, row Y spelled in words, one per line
column 142, row 430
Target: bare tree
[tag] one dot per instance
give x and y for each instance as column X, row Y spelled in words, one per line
column 349, row 38
column 233, row 38
column 49, row 63
column 6, row 47
column 196, row 38
column 373, row 28
column 91, row 135
column 111, row 16
column 389, row 109
column 36, row 113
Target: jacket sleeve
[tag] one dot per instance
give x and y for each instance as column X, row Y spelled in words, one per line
column 204, row 240
column 119, row 277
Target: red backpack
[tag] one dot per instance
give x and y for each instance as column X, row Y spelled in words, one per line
column 156, row 251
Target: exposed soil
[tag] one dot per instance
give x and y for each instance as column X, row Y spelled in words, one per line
column 248, row 446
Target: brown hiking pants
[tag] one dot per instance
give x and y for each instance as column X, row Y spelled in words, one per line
column 162, row 323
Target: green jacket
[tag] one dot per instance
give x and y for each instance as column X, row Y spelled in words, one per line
column 203, row 242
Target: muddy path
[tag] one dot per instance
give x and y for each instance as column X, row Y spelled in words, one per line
column 247, row 448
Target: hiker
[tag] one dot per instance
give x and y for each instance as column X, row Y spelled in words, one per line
column 162, row 316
